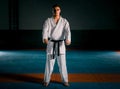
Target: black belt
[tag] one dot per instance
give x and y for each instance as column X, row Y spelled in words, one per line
column 56, row 42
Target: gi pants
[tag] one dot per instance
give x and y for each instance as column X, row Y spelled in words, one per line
column 61, row 60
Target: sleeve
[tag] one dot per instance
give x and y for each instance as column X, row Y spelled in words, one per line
column 45, row 30
column 67, row 31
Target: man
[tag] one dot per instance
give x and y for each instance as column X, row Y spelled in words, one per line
column 56, row 33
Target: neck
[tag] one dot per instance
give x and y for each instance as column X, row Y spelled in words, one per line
column 56, row 16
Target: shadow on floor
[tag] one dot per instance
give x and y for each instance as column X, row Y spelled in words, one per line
column 23, row 78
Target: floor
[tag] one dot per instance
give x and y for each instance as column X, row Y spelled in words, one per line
column 24, row 69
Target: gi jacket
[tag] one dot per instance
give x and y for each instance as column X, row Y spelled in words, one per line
column 59, row 31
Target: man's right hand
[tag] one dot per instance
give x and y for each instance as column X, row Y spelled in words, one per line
column 45, row 41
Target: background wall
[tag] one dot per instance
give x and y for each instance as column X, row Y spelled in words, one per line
column 94, row 23
column 82, row 14
column 4, row 15
column 81, row 39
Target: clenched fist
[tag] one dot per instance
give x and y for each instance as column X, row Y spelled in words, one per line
column 67, row 42
column 45, row 41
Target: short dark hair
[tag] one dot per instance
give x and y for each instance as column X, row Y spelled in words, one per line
column 55, row 5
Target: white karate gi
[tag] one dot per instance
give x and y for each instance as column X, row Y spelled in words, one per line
column 59, row 31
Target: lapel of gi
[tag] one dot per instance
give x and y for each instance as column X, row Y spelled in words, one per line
column 56, row 26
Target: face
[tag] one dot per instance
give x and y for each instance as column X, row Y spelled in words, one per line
column 56, row 11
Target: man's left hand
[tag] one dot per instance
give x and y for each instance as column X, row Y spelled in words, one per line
column 67, row 42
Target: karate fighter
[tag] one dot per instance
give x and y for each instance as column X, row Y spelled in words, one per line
column 56, row 33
